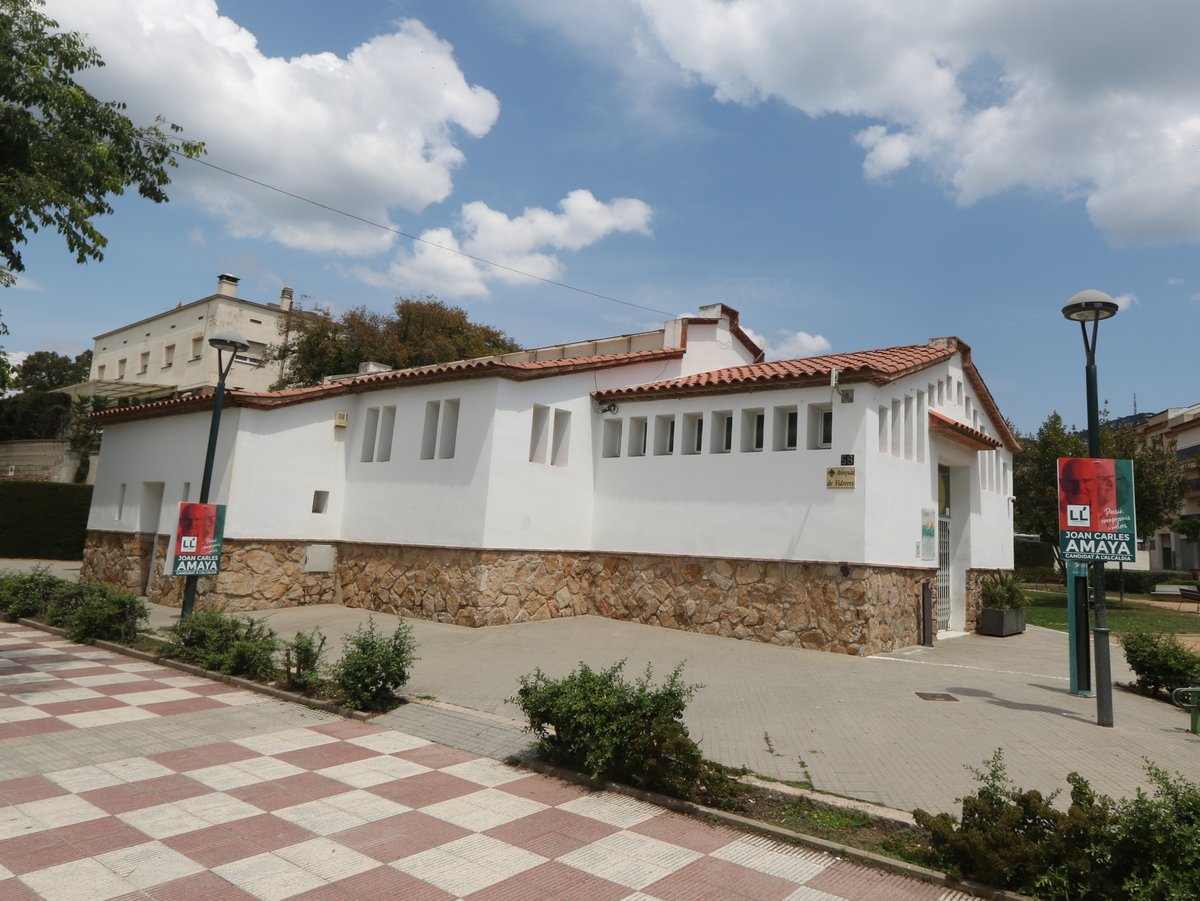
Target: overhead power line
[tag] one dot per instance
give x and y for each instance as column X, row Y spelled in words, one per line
column 417, row 239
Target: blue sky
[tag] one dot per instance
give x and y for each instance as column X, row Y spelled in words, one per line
column 847, row 175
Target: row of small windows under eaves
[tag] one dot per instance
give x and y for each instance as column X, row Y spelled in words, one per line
column 254, row 356
column 720, row 432
column 439, row 433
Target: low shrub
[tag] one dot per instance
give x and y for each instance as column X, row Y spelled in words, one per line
column 1000, row 591
column 1147, row 847
column 373, row 666
column 1039, row 574
column 29, row 594
column 237, row 646
column 104, row 613
column 302, row 662
column 597, row 722
column 1160, row 661
column 1142, row 581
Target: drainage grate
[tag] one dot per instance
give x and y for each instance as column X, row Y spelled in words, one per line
column 935, row 696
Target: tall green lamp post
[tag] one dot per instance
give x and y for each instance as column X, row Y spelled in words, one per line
column 1093, row 306
column 225, row 342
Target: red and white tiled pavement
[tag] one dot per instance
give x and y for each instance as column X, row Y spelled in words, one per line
column 337, row 810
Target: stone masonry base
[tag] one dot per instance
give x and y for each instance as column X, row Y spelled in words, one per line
column 844, row 608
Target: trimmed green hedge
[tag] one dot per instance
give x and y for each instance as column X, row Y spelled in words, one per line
column 43, row 520
column 1032, row 554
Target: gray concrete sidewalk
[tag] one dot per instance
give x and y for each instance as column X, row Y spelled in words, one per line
column 853, row 726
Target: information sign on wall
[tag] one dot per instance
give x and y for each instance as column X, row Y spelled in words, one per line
column 839, row 477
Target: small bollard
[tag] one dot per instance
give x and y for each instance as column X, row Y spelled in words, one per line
column 1189, row 699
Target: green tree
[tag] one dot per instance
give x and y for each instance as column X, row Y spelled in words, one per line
column 416, row 333
column 45, row 370
column 63, row 152
column 1160, row 478
column 1035, row 478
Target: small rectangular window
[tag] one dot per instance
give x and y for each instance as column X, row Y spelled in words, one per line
column 449, row 438
column 387, row 425
column 826, row 438
column 120, row 369
column 820, row 426
column 941, row 393
column 908, row 427
column 145, row 363
column 721, row 441
column 884, row 430
column 168, row 355
column 664, row 435
column 539, row 434
column 787, row 422
column 121, row 502
column 612, row 438
column 637, row 436
column 100, row 371
column 897, row 427
column 561, row 443
column 922, row 424
column 958, row 391
column 429, row 431
column 197, row 348
column 693, row 433
column 753, row 428
column 370, row 430
column 320, row 501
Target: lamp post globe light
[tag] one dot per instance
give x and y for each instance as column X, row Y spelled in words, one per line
column 231, row 343
column 1093, row 306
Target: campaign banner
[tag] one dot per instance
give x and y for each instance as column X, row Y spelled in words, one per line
column 198, row 539
column 1096, row 516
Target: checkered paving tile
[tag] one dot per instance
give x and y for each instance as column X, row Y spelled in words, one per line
column 342, row 810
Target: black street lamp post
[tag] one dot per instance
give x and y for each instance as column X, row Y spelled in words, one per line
column 234, row 344
column 1084, row 307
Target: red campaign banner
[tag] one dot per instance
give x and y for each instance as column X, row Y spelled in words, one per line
column 198, row 539
column 1087, row 494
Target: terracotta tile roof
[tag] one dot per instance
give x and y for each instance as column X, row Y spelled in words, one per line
column 440, row 372
column 875, row 366
column 960, row 432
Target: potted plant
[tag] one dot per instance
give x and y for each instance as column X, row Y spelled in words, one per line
column 1003, row 611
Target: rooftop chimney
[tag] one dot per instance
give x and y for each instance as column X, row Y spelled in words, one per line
column 227, row 285
column 285, row 299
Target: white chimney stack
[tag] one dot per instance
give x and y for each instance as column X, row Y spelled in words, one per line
column 285, row 299
column 227, row 285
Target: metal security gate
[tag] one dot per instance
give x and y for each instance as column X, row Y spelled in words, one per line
column 943, row 574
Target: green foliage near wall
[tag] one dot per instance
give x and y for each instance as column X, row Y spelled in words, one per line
column 1032, row 555
column 43, row 520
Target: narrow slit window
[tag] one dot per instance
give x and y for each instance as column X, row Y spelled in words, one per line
column 320, row 501
column 693, row 431
column 539, row 434
column 387, row 426
column 884, row 430
column 637, row 436
column 664, row 435
column 449, row 437
column 561, row 445
column 908, row 428
column 612, row 438
column 753, row 428
column 429, row 432
column 722, row 432
column 370, row 430
column 121, row 502
column 897, row 427
column 922, row 424
column 787, row 428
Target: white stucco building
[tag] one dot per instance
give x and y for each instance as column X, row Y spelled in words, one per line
column 169, row 352
column 1181, row 425
column 669, row 477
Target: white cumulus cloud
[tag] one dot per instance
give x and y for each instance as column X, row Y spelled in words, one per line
column 1091, row 99
column 371, row 131
column 452, row 264
column 791, row 345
